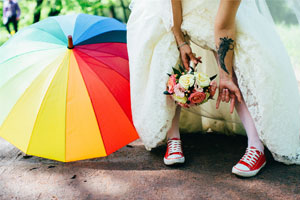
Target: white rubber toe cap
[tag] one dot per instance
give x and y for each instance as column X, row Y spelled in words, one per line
column 173, row 161
column 241, row 167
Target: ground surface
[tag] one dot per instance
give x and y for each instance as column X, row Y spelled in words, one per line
column 133, row 173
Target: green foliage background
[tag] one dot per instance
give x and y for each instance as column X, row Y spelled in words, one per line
column 111, row 8
column 118, row 9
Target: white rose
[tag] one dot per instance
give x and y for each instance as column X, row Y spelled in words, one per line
column 202, row 79
column 187, row 81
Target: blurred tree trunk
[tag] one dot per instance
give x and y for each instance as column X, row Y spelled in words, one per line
column 112, row 10
column 124, row 10
column 56, row 8
column 100, row 12
column 37, row 11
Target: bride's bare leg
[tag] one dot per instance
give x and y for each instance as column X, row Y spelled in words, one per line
column 252, row 134
column 174, row 130
column 254, row 159
column 253, row 138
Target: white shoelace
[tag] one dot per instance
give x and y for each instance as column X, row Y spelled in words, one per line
column 251, row 157
column 174, row 146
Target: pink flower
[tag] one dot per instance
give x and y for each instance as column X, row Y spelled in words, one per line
column 197, row 97
column 171, row 84
column 198, row 88
column 212, row 88
column 179, row 91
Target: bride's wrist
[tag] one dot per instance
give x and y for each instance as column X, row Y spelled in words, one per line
column 225, row 76
column 179, row 36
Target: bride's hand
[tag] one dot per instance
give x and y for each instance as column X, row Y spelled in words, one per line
column 228, row 91
column 185, row 50
column 187, row 55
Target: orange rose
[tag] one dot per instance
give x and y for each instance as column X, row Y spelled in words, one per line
column 197, row 97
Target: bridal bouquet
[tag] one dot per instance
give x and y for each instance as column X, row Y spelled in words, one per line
column 189, row 88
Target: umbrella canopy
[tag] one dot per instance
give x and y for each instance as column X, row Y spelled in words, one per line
column 64, row 88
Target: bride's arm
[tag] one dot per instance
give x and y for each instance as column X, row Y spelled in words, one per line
column 225, row 40
column 186, row 53
column 177, row 18
column 225, row 34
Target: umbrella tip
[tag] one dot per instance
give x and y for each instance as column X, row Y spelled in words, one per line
column 70, row 42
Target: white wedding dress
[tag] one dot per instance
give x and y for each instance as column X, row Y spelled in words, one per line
column 262, row 66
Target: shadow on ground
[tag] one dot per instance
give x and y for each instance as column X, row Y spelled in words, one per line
column 134, row 173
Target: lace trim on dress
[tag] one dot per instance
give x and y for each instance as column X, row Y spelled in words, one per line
column 248, row 90
column 155, row 133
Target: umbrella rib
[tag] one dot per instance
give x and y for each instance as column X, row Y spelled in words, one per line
column 82, row 47
column 72, row 67
column 65, row 42
column 80, row 36
column 104, row 34
column 105, row 85
column 17, row 74
column 105, row 64
column 92, row 100
column 66, row 110
column 16, row 34
column 28, row 52
column 56, row 19
column 77, row 37
column 58, row 68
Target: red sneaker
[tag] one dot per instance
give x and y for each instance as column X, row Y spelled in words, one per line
column 251, row 163
column 174, row 153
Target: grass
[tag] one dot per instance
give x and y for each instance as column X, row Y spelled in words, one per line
column 3, row 35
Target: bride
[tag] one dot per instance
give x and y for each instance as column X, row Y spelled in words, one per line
column 255, row 74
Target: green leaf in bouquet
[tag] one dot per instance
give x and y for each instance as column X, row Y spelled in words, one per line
column 213, row 77
column 205, row 101
column 176, row 71
column 205, row 89
column 166, row 93
column 192, row 69
column 207, row 96
column 181, row 68
column 169, row 74
column 191, row 88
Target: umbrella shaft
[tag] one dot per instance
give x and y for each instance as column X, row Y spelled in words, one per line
column 70, row 42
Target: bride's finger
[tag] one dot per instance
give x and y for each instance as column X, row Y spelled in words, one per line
column 218, row 100
column 199, row 59
column 227, row 97
column 223, row 95
column 193, row 58
column 232, row 102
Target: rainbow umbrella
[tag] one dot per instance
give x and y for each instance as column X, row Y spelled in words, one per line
column 64, row 88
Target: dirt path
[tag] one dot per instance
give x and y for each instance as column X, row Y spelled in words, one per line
column 134, row 173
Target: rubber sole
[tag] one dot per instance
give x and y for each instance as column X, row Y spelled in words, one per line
column 246, row 173
column 174, row 161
